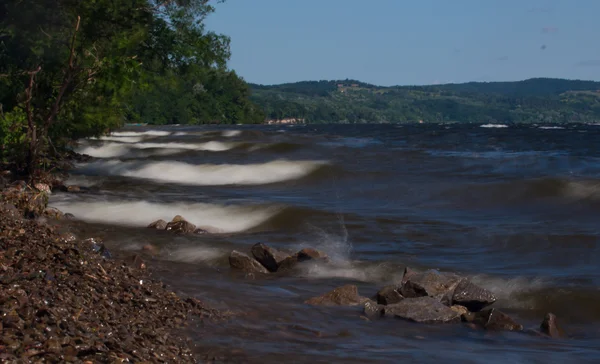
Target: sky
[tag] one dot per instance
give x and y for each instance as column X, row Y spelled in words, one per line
column 410, row 42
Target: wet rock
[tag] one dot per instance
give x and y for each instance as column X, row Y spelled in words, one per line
column 550, row 326
column 200, row 231
column 431, row 283
column 472, row 296
column 373, row 310
column 492, row 319
column 342, row 296
column 408, row 272
column 389, row 295
column 461, row 310
column 53, row 213
column 304, row 255
column 422, row 310
column 158, row 225
column 69, row 216
column 135, row 261
column 73, row 189
column 178, row 218
column 267, row 256
column 310, row 254
column 245, row 263
column 181, row 227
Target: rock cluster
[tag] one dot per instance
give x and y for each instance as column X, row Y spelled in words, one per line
column 178, row 225
column 265, row 259
column 434, row 297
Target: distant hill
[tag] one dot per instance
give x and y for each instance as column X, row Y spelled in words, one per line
column 351, row 101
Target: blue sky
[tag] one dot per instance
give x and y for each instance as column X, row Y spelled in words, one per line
column 410, row 42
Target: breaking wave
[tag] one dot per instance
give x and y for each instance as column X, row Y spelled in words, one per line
column 211, row 217
column 207, row 174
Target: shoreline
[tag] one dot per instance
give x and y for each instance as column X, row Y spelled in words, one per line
column 64, row 298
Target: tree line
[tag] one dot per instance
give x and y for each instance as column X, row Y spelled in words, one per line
column 71, row 69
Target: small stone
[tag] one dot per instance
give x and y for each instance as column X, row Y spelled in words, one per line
column 181, row 227
column 73, row 188
column 158, row 225
column 461, row 310
column 245, row 263
column 422, row 310
column 373, row 310
column 135, row 261
column 389, row 295
column 342, row 296
column 550, row 327
column 69, row 216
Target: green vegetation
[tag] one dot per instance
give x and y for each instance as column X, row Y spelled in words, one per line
column 348, row 101
column 72, row 69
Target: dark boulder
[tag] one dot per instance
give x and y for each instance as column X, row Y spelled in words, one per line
column 373, row 310
column 181, row 227
column 69, row 216
column 389, row 295
column 158, row 225
column 493, row 319
column 550, row 327
column 342, row 296
column 267, row 256
column 245, row 263
column 73, row 189
column 431, row 283
column 472, row 296
column 422, row 310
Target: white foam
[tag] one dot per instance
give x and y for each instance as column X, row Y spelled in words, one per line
column 231, row 133
column 140, row 133
column 551, row 127
column 207, row 174
column 132, row 139
column 494, row 126
column 114, row 150
column 210, row 217
column 353, row 271
column 509, row 292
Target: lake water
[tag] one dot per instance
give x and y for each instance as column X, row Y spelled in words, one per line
column 516, row 208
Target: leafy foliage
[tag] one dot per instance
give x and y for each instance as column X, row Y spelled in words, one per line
column 71, row 69
column 349, row 101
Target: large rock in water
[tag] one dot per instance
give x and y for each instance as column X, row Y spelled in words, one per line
column 245, row 263
column 472, row 296
column 389, row 295
column 550, row 326
column 373, row 310
column 267, row 256
column 342, row 296
column 430, row 283
column 423, row 310
column 493, row 319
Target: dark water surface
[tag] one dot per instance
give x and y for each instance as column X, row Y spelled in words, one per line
column 515, row 208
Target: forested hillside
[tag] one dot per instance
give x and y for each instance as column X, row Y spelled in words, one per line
column 533, row 100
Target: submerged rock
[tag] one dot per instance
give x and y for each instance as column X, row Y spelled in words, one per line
column 267, row 256
column 493, row 319
column 389, row 295
column 158, row 225
column 245, row 263
column 53, row 213
column 431, row 283
column 342, row 296
column 472, row 296
column 422, row 310
column 550, row 326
